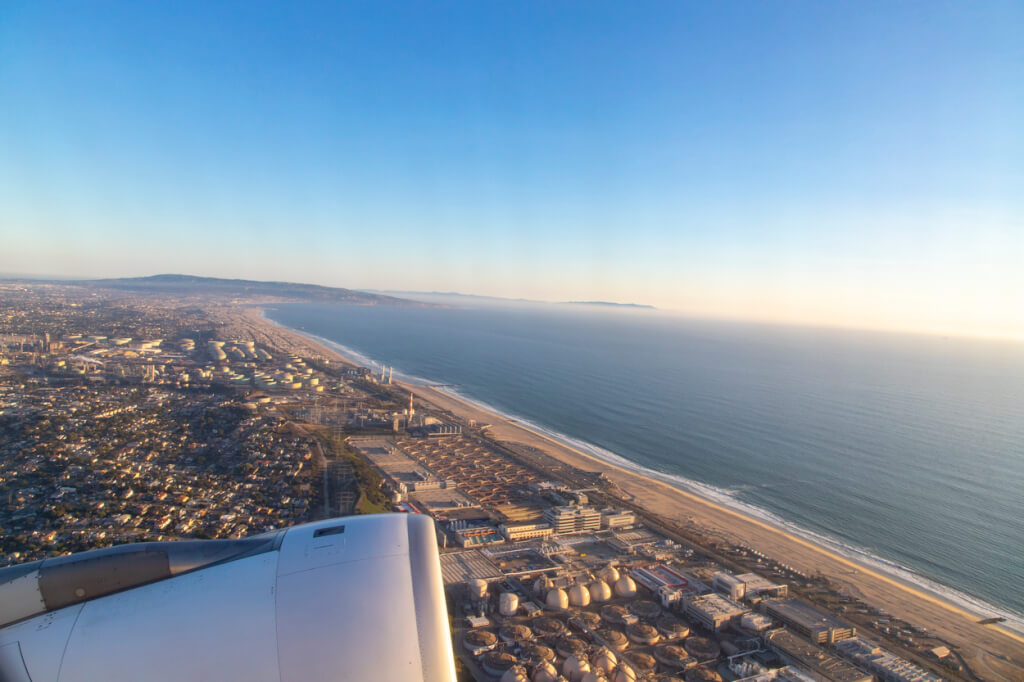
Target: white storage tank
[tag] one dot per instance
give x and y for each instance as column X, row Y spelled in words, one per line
column 476, row 589
column 599, row 591
column 609, row 574
column 557, row 599
column 575, row 667
column 623, row 673
column 604, row 659
column 508, row 604
column 579, row 595
column 625, row 587
column 515, row 674
column 545, row 672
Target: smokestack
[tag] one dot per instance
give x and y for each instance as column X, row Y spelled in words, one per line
column 411, row 411
column 391, row 373
column 382, row 373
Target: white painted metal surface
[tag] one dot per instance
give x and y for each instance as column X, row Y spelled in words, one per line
column 347, row 599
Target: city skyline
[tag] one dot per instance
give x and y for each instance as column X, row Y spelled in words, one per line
column 802, row 164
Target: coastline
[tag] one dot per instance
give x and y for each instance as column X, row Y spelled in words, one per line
column 990, row 649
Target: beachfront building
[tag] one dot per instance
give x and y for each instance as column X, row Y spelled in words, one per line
column 525, row 531
column 713, row 611
column 748, row 586
column 886, row 665
column 811, row 622
column 573, row 519
column 823, row 665
column 617, row 519
column 759, row 587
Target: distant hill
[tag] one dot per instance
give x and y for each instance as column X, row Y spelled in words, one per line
column 609, row 304
column 192, row 285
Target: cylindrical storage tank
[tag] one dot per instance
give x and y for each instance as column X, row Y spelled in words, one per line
column 599, row 591
column 609, row 574
column 616, row 640
column 642, row 633
column 672, row 656
column 622, row 673
column 671, row 629
column 643, row 663
column 508, row 604
column 575, row 667
column 475, row 640
column 589, row 618
column 701, row 674
column 515, row 674
column 557, row 599
column 547, row 627
column 541, row 586
column 645, row 608
column 593, row 676
column 476, row 589
column 545, row 671
column 568, row 647
column 603, row 659
column 625, row 587
column 537, row 652
column 702, row 648
column 515, row 633
column 495, row 663
column 614, row 614
column 579, row 595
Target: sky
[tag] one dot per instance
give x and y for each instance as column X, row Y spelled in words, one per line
column 841, row 163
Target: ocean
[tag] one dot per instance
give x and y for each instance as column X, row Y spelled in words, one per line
column 903, row 451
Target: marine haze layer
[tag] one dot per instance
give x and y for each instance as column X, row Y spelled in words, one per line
column 905, row 450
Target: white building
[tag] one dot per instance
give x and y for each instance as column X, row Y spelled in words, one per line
column 885, row 664
column 525, row 531
column 573, row 519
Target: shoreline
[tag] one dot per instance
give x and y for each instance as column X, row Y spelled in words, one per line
column 993, row 647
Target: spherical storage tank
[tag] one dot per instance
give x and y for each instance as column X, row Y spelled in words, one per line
column 604, row 659
column 557, row 599
column 545, row 672
column 508, row 604
column 599, row 591
column 515, row 674
column 625, row 587
column 541, row 586
column 609, row 574
column 575, row 667
column 579, row 595
column 623, row 673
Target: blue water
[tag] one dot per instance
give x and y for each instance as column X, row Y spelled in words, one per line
column 907, row 448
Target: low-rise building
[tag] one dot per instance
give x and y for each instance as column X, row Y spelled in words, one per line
column 526, row 531
column 816, row 625
column 886, row 665
column 617, row 519
column 824, row 666
column 713, row 611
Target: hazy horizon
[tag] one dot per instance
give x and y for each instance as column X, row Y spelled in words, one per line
column 835, row 165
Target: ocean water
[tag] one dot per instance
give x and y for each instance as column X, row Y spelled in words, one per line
column 906, row 451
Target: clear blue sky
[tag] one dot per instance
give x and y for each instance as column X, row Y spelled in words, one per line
column 847, row 163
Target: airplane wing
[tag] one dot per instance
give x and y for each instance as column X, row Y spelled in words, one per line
column 357, row 598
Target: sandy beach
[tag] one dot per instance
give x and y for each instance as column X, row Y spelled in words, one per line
column 992, row 652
